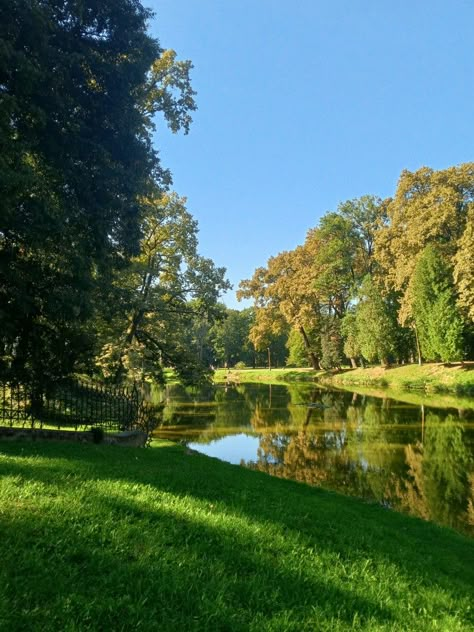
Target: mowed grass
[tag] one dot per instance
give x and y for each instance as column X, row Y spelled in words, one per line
column 267, row 376
column 434, row 377
column 105, row 538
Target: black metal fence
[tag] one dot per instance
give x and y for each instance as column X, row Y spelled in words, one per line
column 74, row 405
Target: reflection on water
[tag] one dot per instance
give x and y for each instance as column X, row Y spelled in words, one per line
column 413, row 458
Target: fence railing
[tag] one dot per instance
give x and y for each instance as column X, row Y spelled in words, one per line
column 76, row 405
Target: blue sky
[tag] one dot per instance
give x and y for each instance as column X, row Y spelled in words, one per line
column 305, row 104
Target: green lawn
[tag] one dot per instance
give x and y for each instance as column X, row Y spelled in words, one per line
column 434, row 377
column 103, row 538
column 267, row 376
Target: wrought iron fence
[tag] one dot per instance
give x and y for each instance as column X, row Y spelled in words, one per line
column 76, row 405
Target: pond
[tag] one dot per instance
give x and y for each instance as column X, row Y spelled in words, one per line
column 412, row 457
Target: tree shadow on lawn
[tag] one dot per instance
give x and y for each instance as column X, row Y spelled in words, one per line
column 324, row 523
column 118, row 576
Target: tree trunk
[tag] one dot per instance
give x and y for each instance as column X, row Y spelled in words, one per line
column 312, row 356
column 418, row 350
column 353, row 363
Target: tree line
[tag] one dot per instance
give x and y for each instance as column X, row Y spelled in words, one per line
column 378, row 280
column 100, row 271
column 99, row 265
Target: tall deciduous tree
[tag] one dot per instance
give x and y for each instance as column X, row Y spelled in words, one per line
column 429, row 207
column 366, row 215
column 350, row 336
column 76, row 97
column 164, row 289
column 297, row 354
column 285, row 296
column 464, row 268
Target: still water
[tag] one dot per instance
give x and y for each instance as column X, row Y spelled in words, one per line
column 412, row 457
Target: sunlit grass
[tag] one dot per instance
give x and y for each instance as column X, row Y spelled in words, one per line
column 434, row 378
column 267, row 376
column 103, row 538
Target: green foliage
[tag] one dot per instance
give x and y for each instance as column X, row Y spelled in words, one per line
column 429, row 207
column 79, row 83
column 331, row 344
column 168, row 295
column 375, row 324
column 297, row 352
column 439, row 326
column 315, row 283
column 464, row 268
column 230, row 338
column 367, row 215
column 334, row 263
column 351, row 337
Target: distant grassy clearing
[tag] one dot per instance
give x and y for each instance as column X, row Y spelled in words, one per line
column 273, row 376
column 102, row 538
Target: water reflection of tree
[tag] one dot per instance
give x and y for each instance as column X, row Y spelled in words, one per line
column 359, row 451
column 394, row 453
column 439, row 486
column 269, row 404
column 218, row 406
column 310, row 458
column 187, row 406
column 233, row 410
column 314, row 448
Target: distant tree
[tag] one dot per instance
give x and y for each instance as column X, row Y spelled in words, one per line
column 429, row 207
column 464, row 268
column 285, row 297
column 230, row 337
column 366, row 215
column 297, row 352
column 332, row 354
column 434, row 309
column 351, row 346
column 376, row 324
column 334, row 245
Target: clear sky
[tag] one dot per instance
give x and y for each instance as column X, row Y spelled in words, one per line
column 305, row 104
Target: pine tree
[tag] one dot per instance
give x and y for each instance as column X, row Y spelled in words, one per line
column 435, row 313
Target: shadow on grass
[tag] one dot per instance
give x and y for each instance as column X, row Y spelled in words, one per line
column 214, row 577
column 295, row 376
column 191, row 570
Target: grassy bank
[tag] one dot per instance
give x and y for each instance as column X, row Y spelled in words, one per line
column 103, row 538
column 266, row 376
column 434, row 378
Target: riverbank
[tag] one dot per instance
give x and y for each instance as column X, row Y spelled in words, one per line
column 432, row 378
column 98, row 537
column 266, row 376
